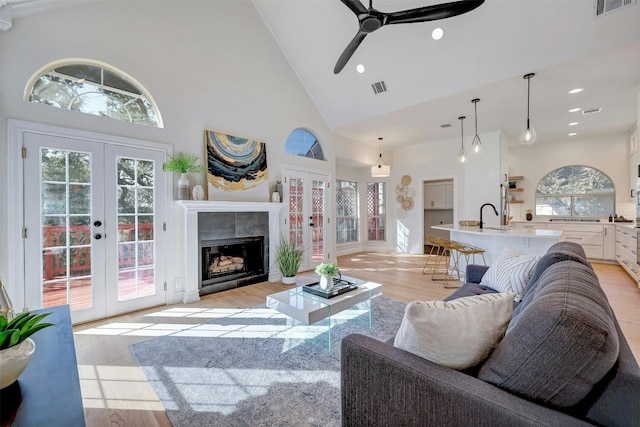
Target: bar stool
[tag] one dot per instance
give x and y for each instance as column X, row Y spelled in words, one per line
column 468, row 251
column 442, row 256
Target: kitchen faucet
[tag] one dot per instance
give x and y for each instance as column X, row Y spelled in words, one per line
column 486, row 204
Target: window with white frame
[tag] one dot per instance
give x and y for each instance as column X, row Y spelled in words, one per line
column 347, row 217
column 302, row 142
column 575, row 191
column 95, row 88
column 376, row 211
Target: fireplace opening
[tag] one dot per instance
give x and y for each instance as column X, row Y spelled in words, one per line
column 231, row 263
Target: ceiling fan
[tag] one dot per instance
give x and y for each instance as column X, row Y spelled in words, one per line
column 371, row 19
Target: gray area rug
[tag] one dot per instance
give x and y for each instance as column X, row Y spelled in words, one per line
column 254, row 367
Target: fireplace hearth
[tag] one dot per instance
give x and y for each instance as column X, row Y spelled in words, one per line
column 231, row 263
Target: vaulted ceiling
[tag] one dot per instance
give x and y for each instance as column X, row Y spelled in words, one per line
column 483, row 54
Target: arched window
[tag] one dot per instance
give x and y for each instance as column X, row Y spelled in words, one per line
column 94, row 88
column 575, row 191
column 303, row 143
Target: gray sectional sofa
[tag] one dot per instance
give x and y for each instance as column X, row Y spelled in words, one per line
column 562, row 362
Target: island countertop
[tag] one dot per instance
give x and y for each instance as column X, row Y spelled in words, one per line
column 501, row 231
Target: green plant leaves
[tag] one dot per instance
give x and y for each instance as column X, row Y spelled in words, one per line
column 20, row 328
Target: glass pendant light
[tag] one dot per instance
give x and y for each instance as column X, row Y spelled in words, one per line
column 381, row 169
column 462, row 154
column 476, row 145
column 529, row 135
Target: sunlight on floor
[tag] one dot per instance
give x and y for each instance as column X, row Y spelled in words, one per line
column 287, row 329
column 117, row 387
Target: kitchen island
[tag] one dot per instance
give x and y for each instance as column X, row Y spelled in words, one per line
column 494, row 240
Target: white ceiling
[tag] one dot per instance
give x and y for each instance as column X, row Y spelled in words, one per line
column 483, row 54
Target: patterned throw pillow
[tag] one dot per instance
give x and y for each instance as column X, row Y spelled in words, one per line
column 458, row 334
column 511, row 272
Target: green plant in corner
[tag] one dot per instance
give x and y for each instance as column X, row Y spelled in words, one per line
column 182, row 162
column 288, row 257
column 20, row 328
column 327, row 269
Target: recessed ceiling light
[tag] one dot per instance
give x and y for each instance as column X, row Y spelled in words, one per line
column 437, row 33
column 573, row 123
column 572, row 134
column 573, row 110
column 577, row 90
column 360, row 68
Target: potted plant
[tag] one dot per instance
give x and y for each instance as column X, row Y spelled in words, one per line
column 327, row 272
column 288, row 257
column 16, row 348
column 183, row 163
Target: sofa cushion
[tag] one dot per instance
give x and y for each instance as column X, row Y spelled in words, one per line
column 510, row 272
column 563, row 342
column 561, row 251
column 458, row 334
column 469, row 290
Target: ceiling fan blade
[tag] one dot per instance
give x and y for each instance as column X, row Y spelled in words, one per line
column 346, row 55
column 432, row 13
column 355, row 6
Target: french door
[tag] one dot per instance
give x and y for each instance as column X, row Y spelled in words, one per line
column 94, row 217
column 306, row 196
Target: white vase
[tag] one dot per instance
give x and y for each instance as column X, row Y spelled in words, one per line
column 183, row 187
column 14, row 360
column 198, row 192
column 289, row 280
column 326, row 283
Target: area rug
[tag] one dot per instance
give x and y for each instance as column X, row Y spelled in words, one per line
column 255, row 367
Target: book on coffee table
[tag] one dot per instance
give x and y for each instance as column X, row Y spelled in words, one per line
column 340, row 286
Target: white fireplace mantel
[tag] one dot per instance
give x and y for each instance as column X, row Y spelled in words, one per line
column 191, row 245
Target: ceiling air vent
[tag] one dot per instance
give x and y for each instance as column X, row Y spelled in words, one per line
column 379, row 87
column 593, row 110
column 603, row 7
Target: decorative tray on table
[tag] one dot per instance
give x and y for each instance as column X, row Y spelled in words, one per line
column 340, row 286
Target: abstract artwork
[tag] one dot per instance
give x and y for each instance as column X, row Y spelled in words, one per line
column 234, row 163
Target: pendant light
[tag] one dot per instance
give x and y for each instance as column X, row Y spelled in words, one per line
column 529, row 135
column 462, row 154
column 476, row 145
column 381, row 169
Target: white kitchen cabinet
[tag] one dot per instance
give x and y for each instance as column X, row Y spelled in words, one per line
column 627, row 250
column 438, row 195
column 609, row 243
column 589, row 236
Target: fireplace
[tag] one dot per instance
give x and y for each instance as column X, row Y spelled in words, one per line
column 231, row 263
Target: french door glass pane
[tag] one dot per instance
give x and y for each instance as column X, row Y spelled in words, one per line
column 136, row 261
column 317, row 218
column 296, row 213
column 65, row 198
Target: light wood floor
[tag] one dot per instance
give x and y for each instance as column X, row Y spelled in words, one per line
column 116, row 393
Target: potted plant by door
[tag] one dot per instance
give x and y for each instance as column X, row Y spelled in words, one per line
column 288, row 257
column 327, row 272
column 183, row 163
column 16, row 348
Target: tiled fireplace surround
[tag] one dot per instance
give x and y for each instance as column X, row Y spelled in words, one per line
column 207, row 220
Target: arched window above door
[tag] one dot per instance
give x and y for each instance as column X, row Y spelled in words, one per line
column 302, row 142
column 95, row 88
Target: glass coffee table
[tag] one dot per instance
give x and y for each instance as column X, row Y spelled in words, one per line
column 310, row 309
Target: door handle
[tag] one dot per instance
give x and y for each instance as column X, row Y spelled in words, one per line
column 311, row 224
column 97, row 223
column 97, row 236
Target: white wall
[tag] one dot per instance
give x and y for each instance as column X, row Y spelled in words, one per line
column 208, row 65
column 607, row 153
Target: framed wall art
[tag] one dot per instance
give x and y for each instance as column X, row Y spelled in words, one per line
column 236, row 164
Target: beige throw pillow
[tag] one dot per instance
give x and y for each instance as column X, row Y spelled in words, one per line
column 511, row 271
column 457, row 334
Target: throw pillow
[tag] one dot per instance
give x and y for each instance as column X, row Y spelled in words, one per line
column 458, row 334
column 511, row 272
